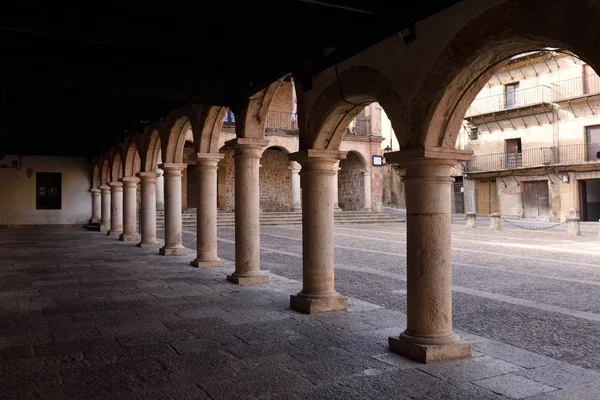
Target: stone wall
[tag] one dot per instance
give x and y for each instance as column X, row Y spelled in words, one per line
column 19, row 191
column 351, row 192
column 275, row 181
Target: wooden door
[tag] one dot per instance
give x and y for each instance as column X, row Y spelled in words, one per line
column 592, row 142
column 513, row 153
column 582, row 200
column 543, row 199
column 535, row 199
column 493, row 197
column 483, row 196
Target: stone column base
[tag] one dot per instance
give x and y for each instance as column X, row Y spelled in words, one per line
column 94, row 220
column 143, row 245
column 132, row 237
column 309, row 305
column 115, row 233
column 426, row 353
column 204, row 264
column 104, row 229
column 172, row 251
column 248, row 280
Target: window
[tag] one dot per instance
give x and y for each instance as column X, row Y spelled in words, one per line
column 48, row 191
column 474, row 135
column 511, row 95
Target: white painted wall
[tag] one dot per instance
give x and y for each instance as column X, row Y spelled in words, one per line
column 18, row 191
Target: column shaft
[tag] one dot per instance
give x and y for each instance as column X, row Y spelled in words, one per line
column 295, row 178
column 318, row 293
column 116, row 209
column 148, row 224
column 367, row 187
column 247, row 212
column 105, row 209
column 130, row 209
column 96, row 206
column 428, row 335
column 173, row 224
column 336, row 170
column 206, row 210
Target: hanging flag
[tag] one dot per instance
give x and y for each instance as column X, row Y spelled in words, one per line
column 294, row 101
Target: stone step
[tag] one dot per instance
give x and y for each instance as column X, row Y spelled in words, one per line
column 286, row 218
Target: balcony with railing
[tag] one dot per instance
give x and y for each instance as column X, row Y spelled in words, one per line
column 576, row 87
column 285, row 121
column 536, row 157
column 517, row 99
column 359, row 127
column 276, row 120
column 555, row 92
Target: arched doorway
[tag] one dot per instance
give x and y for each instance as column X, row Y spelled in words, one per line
column 351, row 183
column 275, row 180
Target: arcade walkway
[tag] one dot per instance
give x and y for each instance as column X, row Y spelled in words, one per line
column 85, row 316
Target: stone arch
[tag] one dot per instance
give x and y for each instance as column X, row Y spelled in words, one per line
column 251, row 115
column 351, row 181
column 323, row 126
column 275, row 180
column 116, row 167
column 105, row 173
column 173, row 142
column 152, row 153
column 486, row 42
column 96, row 176
column 132, row 161
column 206, row 140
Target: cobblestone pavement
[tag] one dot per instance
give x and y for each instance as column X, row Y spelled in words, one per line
column 84, row 316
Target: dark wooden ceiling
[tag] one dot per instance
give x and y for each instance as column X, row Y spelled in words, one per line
column 76, row 78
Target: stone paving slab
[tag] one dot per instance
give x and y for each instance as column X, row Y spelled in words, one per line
column 119, row 322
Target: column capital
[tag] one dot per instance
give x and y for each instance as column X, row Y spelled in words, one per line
column 428, row 154
column 130, row 180
column 331, row 156
column 171, row 168
column 147, row 176
column 295, row 167
column 115, row 185
column 104, row 187
column 95, row 190
column 247, row 143
column 207, row 159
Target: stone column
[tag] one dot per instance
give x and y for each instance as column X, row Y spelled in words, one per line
column 336, row 169
column 367, row 189
column 295, row 178
column 116, row 209
column 96, row 206
column 129, row 209
column 428, row 335
column 247, row 212
column 160, row 190
column 173, row 224
column 318, row 293
column 206, row 211
column 105, row 209
column 148, row 224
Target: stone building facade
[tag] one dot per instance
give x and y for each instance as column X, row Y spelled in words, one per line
column 535, row 133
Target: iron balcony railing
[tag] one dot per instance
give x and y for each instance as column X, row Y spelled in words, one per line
column 518, row 98
column 276, row 120
column 359, row 127
column 285, row 121
column 576, row 87
column 536, row 157
column 557, row 91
